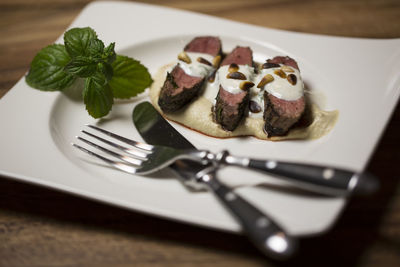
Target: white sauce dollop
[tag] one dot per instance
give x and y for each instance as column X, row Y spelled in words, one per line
column 281, row 87
column 195, row 68
column 211, row 90
column 232, row 85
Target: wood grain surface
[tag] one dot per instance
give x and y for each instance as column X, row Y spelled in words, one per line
column 42, row 227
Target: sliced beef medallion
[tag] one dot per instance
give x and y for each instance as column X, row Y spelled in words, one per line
column 205, row 44
column 181, row 87
column 230, row 106
column 240, row 56
column 281, row 114
column 178, row 89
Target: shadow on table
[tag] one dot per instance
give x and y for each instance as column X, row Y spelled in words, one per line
column 358, row 229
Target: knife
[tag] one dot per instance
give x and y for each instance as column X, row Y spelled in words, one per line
column 262, row 230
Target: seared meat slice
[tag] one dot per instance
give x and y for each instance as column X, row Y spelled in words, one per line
column 240, row 56
column 205, row 44
column 178, row 89
column 281, row 114
column 230, row 107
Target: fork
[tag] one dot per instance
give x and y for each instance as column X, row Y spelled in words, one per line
column 140, row 158
column 265, row 233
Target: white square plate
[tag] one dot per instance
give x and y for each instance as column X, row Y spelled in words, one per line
column 358, row 77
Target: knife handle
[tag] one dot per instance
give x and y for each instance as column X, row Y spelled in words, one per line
column 265, row 234
column 320, row 179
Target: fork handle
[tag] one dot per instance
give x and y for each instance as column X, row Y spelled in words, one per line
column 265, row 234
column 320, row 179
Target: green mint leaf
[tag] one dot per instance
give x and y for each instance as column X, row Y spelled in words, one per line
column 130, row 77
column 96, row 47
column 47, row 69
column 81, row 66
column 110, row 54
column 97, row 96
column 77, row 41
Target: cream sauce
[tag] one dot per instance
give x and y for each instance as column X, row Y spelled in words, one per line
column 196, row 68
column 232, row 85
column 281, row 87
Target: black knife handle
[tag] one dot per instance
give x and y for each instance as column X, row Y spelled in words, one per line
column 320, row 179
column 327, row 180
column 265, row 234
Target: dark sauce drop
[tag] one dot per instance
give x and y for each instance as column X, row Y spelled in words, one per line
column 292, row 79
column 254, row 107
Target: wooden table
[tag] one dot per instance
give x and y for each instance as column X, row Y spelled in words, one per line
column 41, row 227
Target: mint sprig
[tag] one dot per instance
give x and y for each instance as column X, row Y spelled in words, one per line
column 107, row 75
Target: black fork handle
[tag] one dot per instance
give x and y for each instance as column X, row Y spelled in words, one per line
column 263, row 231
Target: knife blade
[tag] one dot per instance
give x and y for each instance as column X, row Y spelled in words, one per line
column 156, row 131
column 263, row 231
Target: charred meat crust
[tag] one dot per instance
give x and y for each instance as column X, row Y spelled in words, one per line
column 230, row 108
column 178, row 90
column 280, row 115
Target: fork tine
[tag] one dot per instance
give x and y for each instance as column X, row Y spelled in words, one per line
column 133, row 152
column 123, row 139
column 118, row 165
column 133, row 161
